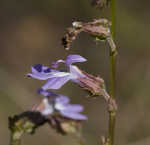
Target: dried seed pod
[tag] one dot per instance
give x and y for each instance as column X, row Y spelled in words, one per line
column 99, row 28
column 98, row 31
column 69, row 37
column 92, row 84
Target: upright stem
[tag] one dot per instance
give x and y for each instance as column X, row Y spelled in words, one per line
column 112, row 57
column 113, row 17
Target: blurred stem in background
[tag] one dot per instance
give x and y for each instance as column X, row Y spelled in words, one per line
column 15, row 139
column 112, row 58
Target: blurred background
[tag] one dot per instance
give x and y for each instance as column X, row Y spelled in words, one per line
column 31, row 32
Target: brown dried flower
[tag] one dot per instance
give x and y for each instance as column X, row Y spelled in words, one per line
column 69, row 37
column 99, row 28
column 93, row 84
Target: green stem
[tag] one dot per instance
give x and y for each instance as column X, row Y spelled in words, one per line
column 111, row 135
column 112, row 57
column 113, row 17
column 15, row 138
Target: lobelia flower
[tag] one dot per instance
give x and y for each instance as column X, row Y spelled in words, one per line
column 54, row 104
column 59, row 113
column 57, row 78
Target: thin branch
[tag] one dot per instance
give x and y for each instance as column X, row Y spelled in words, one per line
column 112, row 57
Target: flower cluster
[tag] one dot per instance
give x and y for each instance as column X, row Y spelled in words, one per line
column 56, row 107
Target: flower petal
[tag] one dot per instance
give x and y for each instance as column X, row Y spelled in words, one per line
column 62, row 103
column 73, row 115
column 48, row 108
column 45, row 76
column 56, row 82
column 56, row 64
column 74, row 108
column 62, row 100
column 38, row 68
column 39, row 76
column 60, row 74
column 47, row 93
column 75, row 72
column 74, row 58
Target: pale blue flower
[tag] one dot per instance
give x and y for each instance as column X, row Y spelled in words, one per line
column 56, row 103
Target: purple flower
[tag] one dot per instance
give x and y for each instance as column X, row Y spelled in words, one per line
column 53, row 103
column 56, row 78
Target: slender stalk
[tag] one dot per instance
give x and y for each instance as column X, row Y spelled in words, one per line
column 112, row 57
column 15, row 138
column 111, row 128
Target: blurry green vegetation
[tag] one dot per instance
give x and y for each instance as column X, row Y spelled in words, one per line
column 31, row 33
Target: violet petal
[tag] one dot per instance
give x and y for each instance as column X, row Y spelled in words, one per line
column 62, row 100
column 56, row 64
column 47, row 93
column 45, row 76
column 74, row 108
column 73, row 115
column 56, row 82
column 38, row 68
column 39, row 76
column 74, row 58
column 75, row 72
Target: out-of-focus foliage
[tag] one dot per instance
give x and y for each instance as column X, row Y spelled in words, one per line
column 31, row 33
